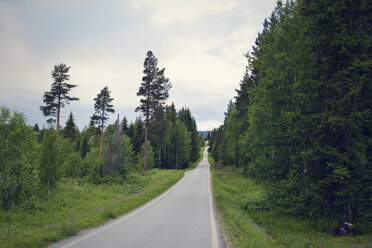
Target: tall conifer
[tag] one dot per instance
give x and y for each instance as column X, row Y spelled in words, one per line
column 102, row 106
column 58, row 96
column 154, row 90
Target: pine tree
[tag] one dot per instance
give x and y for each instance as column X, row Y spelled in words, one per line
column 102, row 106
column 58, row 96
column 154, row 90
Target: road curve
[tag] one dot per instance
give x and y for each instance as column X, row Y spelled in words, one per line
column 181, row 217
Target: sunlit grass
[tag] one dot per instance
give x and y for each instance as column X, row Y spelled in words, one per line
column 249, row 221
column 77, row 205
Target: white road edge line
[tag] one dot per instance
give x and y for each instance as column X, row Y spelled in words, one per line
column 214, row 239
column 141, row 208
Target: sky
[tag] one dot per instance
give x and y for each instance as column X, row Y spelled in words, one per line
column 200, row 43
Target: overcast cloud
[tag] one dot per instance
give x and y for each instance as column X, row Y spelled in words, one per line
column 200, row 43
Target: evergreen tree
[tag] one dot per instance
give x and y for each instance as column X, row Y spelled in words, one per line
column 58, row 96
column 158, row 131
column 178, row 146
column 124, row 126
column 36, row 128
column 102, row 106
column 84, row 148
column 136, row 134
column 185, row 116
column 302, row 117
column 171, row 113
column 154, row 90
column 70, row 129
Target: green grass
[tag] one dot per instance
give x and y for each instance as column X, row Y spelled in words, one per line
column 77, row 205
column 248, row 221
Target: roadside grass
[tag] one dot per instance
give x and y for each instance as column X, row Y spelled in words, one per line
column 248, row 221
column 77, row 205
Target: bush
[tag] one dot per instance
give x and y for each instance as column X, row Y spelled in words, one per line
column 72, row 165
column 93, row 166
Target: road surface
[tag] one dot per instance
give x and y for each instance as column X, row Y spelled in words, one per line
column 181, row 217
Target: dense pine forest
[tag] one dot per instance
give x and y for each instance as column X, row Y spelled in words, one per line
column 34, row 160
column 300, row 124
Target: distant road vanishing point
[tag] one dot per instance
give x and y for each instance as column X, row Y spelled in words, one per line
column 181, row 217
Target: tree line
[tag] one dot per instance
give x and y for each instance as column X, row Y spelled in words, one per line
column 301, row 121
column 33, row 160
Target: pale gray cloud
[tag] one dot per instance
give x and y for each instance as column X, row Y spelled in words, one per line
column 199, row 42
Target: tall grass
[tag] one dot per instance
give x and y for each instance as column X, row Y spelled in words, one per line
column 249, row 220
column 77, row 205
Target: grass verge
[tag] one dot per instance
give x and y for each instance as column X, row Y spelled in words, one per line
column 75, row 206
column 247, row 220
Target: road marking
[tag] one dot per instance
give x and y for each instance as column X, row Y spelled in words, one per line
column 130, row 214
column 214, row 239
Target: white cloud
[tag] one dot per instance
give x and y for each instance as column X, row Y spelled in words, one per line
column 199, row 42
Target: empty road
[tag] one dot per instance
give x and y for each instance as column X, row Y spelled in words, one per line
column 181, row 217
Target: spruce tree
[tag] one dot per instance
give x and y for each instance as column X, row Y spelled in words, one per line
column 70, row 129
column 158, row 131
column 58, row 96
column 102, row 106
column 154, row 90
column 124, row 126
column 185, row 116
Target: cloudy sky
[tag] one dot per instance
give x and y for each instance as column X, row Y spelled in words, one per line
column 199, row 42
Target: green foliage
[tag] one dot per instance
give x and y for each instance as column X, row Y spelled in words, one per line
column 154, row 91
column 72, row 165
column 184, row 115
column 301, row 121
column 70, row 130
column 102, row 106
column 77, row 205
column 154, row 87
column 50, row 160
column 118, row 151
column 18, row 155
column 150, row 157
column 93, row 166
column 137, row 134
column 58, row 96
column 250, row 220
column 177, row 146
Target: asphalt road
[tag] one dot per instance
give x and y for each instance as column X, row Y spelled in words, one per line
column 182, row 217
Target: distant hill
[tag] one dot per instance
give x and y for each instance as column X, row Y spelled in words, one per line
column 205, row 133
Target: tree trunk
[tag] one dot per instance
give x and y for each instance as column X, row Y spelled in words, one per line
column 58, row 111
column 48, row 187
column 343, row 225
column 3, row 190
column 146, row 130
column 160, row 156
column 102, row 122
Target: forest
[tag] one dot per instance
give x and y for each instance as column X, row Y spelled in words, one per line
column 300, row 124
column 33, row 160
